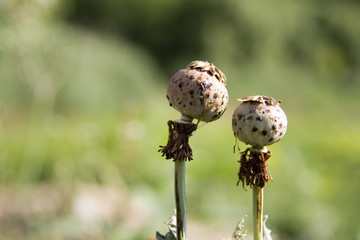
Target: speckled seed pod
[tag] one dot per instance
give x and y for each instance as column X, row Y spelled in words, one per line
column 259, row 121
column 199, row 91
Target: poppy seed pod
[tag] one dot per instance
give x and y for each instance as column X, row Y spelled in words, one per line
column 259, row 121
column 198, row 91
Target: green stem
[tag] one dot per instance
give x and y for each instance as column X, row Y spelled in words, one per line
column 180, row 200
column 258, row 223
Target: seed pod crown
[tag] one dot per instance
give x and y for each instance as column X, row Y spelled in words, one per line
column 209, row 68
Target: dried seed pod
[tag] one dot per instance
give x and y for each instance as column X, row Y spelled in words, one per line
column 259, row 121
column 199, row 91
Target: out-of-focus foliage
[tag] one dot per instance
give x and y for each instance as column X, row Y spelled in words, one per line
column 83, row 110
column 310, row 34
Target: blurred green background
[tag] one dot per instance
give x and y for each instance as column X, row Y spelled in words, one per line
column 83, row 111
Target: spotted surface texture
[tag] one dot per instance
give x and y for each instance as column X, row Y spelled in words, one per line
column 259, row 121
column 198, row 93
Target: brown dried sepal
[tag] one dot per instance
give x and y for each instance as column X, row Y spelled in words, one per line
column 253, row 169
column 178, row 147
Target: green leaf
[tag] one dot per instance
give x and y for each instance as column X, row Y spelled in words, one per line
column 240, row 232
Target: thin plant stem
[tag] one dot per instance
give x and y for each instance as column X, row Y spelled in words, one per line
column 180, row 200
column 258, row 224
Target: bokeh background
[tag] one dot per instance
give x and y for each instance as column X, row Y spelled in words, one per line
column 83, row 111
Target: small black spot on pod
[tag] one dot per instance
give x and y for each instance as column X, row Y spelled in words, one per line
column 167, row 96
column 273, row 127
column 254, row 129
column 191, row 103
column 263, row 132
column 181, row 84
column 170, row 104
column 271, row 139
column 239, row 116
column 259, row 118
column 215, row 96
column 250, row 118
column 192, row 77
column 201, row 98
column 206, row 85
column 215, row 116
column 207, row 95
column 191, row 92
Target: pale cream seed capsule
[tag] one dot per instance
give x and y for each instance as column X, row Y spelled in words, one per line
column 259, row 121
column 198, row 92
